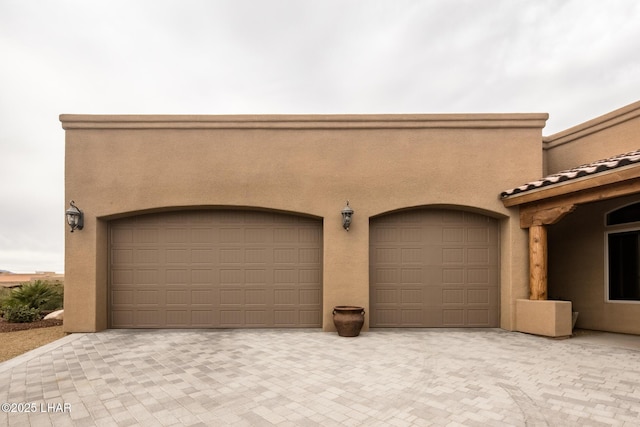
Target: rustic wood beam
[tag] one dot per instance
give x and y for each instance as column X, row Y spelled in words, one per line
column 534, row 215
column 537, row 262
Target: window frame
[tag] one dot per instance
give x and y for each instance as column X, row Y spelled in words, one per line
column 616, row 229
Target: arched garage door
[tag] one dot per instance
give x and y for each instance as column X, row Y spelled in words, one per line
column 434, row 268
column 215, row 269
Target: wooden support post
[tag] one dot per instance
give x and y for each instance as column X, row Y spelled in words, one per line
column 537, row 262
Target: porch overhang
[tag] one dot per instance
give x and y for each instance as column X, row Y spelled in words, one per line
column 546, row 205
column 547, row 201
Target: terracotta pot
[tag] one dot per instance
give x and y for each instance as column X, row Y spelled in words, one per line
column 348, row 320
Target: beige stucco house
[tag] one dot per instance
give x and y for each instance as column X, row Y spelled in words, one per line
column 235, row 221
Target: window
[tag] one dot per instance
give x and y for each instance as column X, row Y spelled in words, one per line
column 623, row 245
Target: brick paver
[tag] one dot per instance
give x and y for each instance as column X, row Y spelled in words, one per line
column 442, row 377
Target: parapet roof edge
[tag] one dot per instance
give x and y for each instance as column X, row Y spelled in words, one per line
column 597, row 124
column 305, row 121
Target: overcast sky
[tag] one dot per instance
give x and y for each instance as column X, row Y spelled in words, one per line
column 573, row 59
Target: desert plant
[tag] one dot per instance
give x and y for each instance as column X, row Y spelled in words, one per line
column 4, row 294
column 37, row 295
column 57, row 299
column 20, row 314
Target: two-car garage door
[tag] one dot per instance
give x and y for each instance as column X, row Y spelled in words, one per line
column 215, row 269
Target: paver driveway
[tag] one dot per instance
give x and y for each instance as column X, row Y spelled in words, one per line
column 304, row 378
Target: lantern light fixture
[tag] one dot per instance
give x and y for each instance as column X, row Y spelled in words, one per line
column 347, row 213
column 75, row 217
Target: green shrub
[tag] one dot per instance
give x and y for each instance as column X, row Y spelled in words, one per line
column 57, row 299
column 38, row 295
column 20, row 314
column 4, row 294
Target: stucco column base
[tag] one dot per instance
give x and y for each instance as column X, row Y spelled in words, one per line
column 544, row 317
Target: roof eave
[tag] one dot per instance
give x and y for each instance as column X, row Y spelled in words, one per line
column 564, row 188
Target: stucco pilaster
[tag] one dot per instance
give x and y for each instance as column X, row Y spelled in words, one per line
column 346, row 265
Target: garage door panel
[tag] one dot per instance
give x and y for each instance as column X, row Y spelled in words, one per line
column 452, row 235
column 177, row 276
column 201, row 235
column 385, row 296
column 478, row 276
column 386, row 275
column 479, row 256
column 385, row 255
column 411, row 296
column 410, row 235
column 122, row 276
column 385, row 235
column 210, row 269
column 451, row 255
column 478, row 296
column 202, row 256
column 147, row 297
column 123, row 296
column 122, row 318
column 175, row 256
column 411, row 317
column 178, row 297
column 231, row 255
column 201, row 318
column 146, row 277
column 256, row 256
column 312, row 297
column 231, row 297
column 450, row 217
column 122, row 236
column 309, row 318
column 284, row 276
column 199, row 297
column 285, row 235
column 199, row 276
column 453, row 296
column 454, row 265
column 387, row 317
column 309, row 235
column 479, row 318
column 285, row 256
column 255, row 317
column 285, row 296
column 308, row 256
column 231, row 277
column 149, row 318
column 452, row 276
column 477, row 235
column 255, row 235
column 411, row 275
column 255, row 276
column 146, row 235
column 452, row 318
column 309, row 276
column 123, row 256
column 411, row 255
column 231, row 318
column 283, row 318
column 256, row 297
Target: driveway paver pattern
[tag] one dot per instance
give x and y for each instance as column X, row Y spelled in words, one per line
column 398, row 377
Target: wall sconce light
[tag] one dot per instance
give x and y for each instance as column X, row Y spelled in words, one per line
column 347, row 213
column 75, row 217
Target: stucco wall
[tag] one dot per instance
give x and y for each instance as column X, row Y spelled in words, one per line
column 577, row 269
column 121, row 165
column 605, row 136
